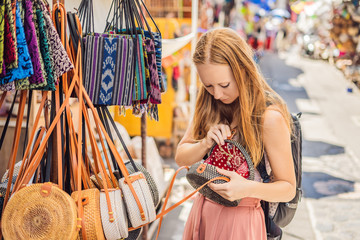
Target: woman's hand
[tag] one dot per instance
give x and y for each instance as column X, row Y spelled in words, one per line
column 237, row 188
column 217, row 134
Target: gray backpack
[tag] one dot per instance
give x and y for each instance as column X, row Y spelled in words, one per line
column 285, row 211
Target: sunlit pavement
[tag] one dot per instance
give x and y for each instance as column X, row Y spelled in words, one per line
column 331, row 150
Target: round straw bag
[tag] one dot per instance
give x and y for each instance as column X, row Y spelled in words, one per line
column 92, row 218
column 232, row 157
column 40, row 211
column 153, row 188
column 117, row 229
column 143, row 192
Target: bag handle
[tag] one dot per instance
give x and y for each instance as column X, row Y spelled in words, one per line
column 86, row 15
column 166, row 211
column 113, row 149
column 24, row 163
column 27, row 119
column 137, row 9
column 148, row 12
column 107, row 127
column 107, row 115
column 2, row 99
column 7, row 119
column 16, row 141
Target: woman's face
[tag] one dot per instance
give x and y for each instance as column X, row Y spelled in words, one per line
column 219, row 81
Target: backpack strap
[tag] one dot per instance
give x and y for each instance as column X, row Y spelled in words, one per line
column 262, row 170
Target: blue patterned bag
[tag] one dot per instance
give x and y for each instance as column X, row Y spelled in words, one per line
column 25, row 68
column 110, row 60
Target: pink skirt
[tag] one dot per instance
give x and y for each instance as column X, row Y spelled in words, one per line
column 209, row 220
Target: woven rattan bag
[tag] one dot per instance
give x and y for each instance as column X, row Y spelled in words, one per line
column 143, row 192
column 116, row 228
column 230, row 156
column 149, row 179
column 40, row 211
column 91, row 202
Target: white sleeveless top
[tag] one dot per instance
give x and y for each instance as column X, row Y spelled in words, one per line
column 257, row 178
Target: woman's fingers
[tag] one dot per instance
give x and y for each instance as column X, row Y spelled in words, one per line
column 225, row 130
column 221, row 189
column 219, row 133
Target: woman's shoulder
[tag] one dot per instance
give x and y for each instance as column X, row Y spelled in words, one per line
column 275, row 125
column 272, row 117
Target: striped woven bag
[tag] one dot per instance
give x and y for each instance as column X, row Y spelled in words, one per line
column 110, row 60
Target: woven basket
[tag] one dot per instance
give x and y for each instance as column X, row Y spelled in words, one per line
column 201, row 172
column 144, row 194
column 40, row 211
column 91, row 203
column 153, row 188
column 119, row 227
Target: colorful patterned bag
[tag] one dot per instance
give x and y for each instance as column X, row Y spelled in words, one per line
column 10, row 41
column 37, row 79
column 25, row 68
column 45, row 50
column 110, row 58
column 232, row 157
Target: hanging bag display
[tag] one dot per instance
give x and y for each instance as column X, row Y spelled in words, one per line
column 141, row 185
column 131, row 165
column 230, row 156
column 25, row 66
column 153, row 51
column 111, row 58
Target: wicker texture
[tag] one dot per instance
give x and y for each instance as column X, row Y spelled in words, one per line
column 15, row 172
column 144, row 194
column 122, row 220
column 29, row 215
column 100, row 185
column 197, row 179
column 153, row 188
column 92, row 218
column 118, row 228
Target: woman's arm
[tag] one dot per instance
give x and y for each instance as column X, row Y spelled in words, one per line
column 276, row 138
column 190, row 151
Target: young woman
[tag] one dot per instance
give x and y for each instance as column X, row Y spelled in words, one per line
column 234, row 95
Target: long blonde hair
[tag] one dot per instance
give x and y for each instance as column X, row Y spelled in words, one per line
column 225, row 46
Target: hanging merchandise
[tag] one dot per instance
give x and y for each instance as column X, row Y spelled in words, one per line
column 59, row 58
column 55, row 164
column 34, row 57
column 2, row 31
column 25, row 67
column 37, row 79
column 125, row 59
column 10, row 55
column 45, row 50
column 108, row 83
